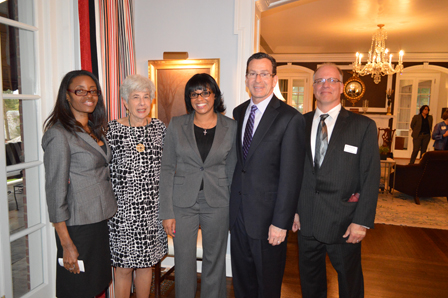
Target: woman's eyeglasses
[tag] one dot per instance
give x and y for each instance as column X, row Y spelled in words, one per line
column 203, row 94
column 81, row 92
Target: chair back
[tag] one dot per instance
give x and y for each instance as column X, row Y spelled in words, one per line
column 433, row 182
column 385, row 137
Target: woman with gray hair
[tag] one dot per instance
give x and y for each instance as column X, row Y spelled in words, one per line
column 137, row 238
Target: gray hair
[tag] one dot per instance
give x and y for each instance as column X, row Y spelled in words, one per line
column 137, row 83
column 330, row 64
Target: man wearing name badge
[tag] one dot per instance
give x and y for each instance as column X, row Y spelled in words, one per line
column 266, row 183
column 339, row 192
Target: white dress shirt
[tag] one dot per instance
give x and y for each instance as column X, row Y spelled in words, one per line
column 261, row 107
column 330, row 121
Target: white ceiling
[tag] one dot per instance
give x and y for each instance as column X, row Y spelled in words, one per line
column 347, row 26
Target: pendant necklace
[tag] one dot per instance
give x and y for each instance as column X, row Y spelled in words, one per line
column 140, row 147
column 91, row 134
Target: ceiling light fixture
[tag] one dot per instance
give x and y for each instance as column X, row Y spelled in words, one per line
column 377, row 64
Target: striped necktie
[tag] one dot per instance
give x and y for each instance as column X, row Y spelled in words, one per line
column 321, row 142
column 248, row 131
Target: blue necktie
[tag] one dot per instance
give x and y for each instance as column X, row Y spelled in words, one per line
column 321, row 142
column 248, row 131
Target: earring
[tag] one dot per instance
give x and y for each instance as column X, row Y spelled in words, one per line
column 127, row 112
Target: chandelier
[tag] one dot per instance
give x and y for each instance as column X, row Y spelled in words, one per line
column 377, row 64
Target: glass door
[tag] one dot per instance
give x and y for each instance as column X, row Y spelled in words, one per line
column 295, row 90
column 413, row 91
column 22, row 224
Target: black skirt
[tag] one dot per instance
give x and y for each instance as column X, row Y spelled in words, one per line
column 92, row 242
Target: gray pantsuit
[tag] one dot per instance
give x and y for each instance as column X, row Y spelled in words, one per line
column 214, row 226
column 183, row 171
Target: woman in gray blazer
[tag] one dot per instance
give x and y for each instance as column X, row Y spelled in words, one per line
column 79, row 193
column 199, row 158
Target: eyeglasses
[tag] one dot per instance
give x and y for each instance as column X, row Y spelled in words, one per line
column 329, row 80
column 263, row 75
column 81, row 92
column 204, row 94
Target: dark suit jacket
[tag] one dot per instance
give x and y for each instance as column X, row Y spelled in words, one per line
column 416, row 124
column 77, row 178
column 267, row 184
column 323, row 207
column 183, row 169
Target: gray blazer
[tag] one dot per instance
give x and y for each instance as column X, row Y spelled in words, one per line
column 77, row 179
column 183, row 169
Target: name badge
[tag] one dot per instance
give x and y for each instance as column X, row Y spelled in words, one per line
column 443, row 127
column 351, row 149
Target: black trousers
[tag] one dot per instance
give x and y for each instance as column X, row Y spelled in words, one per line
column 346, row 260
column 257, row 266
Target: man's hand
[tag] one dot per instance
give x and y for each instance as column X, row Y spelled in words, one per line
column 276, row 235
column 355, row 233
column 296, row 223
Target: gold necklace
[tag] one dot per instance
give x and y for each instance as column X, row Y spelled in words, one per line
column 139, row 147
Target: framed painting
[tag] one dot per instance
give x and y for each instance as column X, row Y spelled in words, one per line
column 170, row 78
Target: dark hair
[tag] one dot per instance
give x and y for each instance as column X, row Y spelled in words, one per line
column 261, row 55
column 423, row 107
column 63, row 114
column 202, row 81
column 445, row 115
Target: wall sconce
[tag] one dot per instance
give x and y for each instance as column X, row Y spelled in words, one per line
column 175, row 55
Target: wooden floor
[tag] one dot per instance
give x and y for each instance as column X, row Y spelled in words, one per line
column 397, row 262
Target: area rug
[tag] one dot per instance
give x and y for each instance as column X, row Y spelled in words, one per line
column 400, row 209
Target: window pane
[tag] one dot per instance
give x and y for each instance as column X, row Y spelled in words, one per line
column 21, row 131
column 17, row 49
column 23, row 200
column 18, row 10
column 26, row 263
column 298, row 89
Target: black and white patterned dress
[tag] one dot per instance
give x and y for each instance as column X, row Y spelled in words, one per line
column 137, row 238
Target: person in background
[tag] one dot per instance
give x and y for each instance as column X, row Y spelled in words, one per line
column 197, row 167
column 339, row 194
column 266, row 183
column 440, row 134
column 421, row 126
column 137, row 238
column 79, row 193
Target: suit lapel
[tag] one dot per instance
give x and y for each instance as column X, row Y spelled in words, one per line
column 266, row 121
column 240, row 121
column 89, row 140
column 188, row 129
column 309, row 124
column 220, row 133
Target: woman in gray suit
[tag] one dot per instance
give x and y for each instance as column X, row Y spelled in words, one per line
column 79, row 193
column 199, row 158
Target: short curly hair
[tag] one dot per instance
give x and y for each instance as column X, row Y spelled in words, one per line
column 136, row 83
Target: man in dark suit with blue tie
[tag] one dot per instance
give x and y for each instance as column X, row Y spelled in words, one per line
column 266, row 182
column 339, row 192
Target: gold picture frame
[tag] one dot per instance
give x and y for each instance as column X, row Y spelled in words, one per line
column 170, row 78
column 354, row 89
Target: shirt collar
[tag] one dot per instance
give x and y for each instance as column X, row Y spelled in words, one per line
column 262, row 105
column 333, row 113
